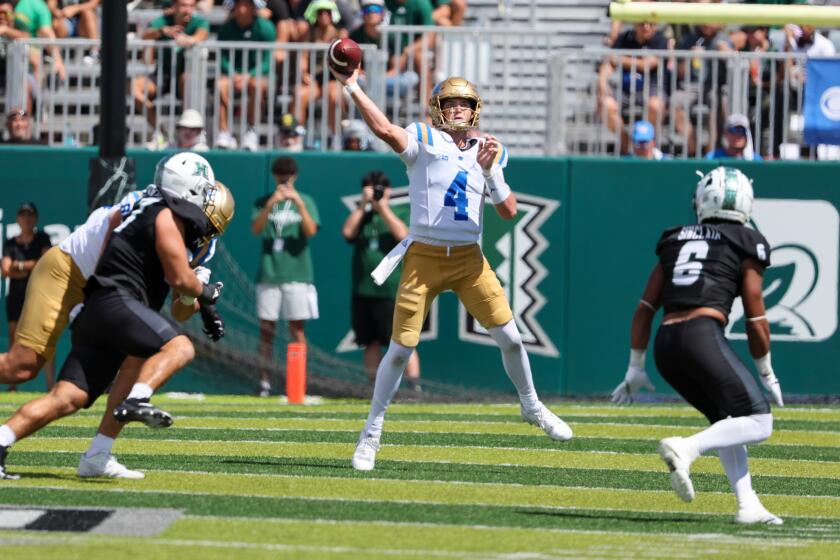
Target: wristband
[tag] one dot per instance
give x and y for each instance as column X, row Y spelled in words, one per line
column 350, row 88
column 499, row 190
column 187, row 300
column 637, row 358
column 763, row 365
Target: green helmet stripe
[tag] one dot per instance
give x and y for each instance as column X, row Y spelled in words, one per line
column 730, row 185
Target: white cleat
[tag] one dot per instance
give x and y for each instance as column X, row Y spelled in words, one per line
column 548, row 422
column 677, row 455
column 757, row 514
column 364, row 457
column 105, row 465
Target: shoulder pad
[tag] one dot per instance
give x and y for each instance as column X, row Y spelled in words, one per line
column 501, row 157
column 748, row 242
column 666, row 236
column 423, row 132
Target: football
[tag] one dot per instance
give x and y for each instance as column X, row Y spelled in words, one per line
column 344, row 56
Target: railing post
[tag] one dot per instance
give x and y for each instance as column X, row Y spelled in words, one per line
column 556, row 142
column 195, row 66
column 17, row 63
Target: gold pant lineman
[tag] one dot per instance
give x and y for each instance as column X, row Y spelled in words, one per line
column 450, row 172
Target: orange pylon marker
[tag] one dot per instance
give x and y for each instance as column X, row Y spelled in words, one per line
column 296, row 372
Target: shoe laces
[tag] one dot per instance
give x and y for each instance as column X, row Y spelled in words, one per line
column 369, row 444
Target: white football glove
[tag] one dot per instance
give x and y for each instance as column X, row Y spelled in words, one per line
column 769, row 379
column 635, row 379
column 203, row 274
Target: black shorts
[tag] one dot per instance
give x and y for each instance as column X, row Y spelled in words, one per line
column 14, row 306
column 112, row 326
column 372, row 319
column 696, row 360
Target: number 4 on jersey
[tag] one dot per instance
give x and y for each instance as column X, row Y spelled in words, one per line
column 456, row 196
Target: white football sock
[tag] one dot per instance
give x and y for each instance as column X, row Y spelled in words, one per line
column 388, row 376
column 141, row 391
column 735, row 464
column 100, row 444
column 742, row 430
column 7, row 436
column 515, row 360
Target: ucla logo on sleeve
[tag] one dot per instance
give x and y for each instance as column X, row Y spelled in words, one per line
column 800, row 287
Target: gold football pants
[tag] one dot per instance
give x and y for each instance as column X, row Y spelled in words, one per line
column 55, row 287
column 429, row 270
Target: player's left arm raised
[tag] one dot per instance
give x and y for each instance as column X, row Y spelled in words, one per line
column 492, row 157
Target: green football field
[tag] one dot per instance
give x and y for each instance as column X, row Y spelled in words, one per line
column 254, row 478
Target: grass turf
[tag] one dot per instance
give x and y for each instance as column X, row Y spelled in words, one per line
column 258, row 479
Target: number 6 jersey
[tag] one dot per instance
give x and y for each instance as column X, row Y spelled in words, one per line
column 446, row 186
column 702, row 264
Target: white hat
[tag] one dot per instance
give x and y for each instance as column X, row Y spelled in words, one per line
column 190, row 118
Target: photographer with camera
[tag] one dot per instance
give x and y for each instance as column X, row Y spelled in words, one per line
column 374, row 229
column 284, row 220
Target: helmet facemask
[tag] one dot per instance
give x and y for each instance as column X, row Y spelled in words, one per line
column 219, row 207
column 454, row 88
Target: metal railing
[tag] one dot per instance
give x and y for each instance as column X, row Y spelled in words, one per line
column 540, row 96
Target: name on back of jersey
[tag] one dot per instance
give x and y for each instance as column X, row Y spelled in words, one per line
column 698, row 231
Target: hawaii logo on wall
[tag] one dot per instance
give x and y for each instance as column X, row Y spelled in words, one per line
column 800, row 287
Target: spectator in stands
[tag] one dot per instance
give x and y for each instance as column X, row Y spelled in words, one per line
column 356, row 136
column 322, row 16
column 690, row 92
column 241, row 75
column 20, row 254
column 374, row 228
column 290, row 134
column 76, row 18
column 397, row 78
column 279, row 13
column 285, row 220
column 33, row 16
column 737, row 140
column 413, row 46
column 10, row 33
column 185, row 28
column 19, row 128
column 644, row 141
column 755, row 38
column 448, row 13
column 189, row 133
column 637, row 74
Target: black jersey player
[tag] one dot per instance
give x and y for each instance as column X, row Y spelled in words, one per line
column 144, row 257
column 702, row 268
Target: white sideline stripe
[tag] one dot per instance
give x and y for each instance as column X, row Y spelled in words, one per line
column 407, row 502
column 18, row 518
column 409, row 481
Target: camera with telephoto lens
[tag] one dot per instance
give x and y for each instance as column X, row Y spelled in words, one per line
column 378, row 192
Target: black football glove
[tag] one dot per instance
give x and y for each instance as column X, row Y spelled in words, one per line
column 210, row 293
column 214, row 326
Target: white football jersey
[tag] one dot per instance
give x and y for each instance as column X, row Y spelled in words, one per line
column 446, row 186
column 85, row 244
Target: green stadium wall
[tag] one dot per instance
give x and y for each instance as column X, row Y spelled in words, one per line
column 574, row 261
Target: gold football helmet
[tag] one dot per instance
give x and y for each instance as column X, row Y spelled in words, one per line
column 454, row 88
column 219, row 208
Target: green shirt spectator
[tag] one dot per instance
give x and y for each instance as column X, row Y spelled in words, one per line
column 193, row 25
column 285, row 255
column 32, row 15
column 409, row 12
column 260, row 30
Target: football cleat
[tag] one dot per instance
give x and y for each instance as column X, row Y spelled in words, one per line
column 4, row 475
column 141, row 410
column 364, row 457
column 105, row 465
column 677, row 455
column 756, row 514
column 548, row 422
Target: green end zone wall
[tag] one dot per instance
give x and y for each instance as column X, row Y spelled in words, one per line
column 574, row 261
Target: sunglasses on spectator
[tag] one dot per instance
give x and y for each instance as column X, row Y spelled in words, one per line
column 372, row 9
column 739, row 130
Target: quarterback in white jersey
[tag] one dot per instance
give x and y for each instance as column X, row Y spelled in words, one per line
column 451, row 170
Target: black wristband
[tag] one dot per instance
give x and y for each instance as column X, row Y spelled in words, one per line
column 208, row 293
